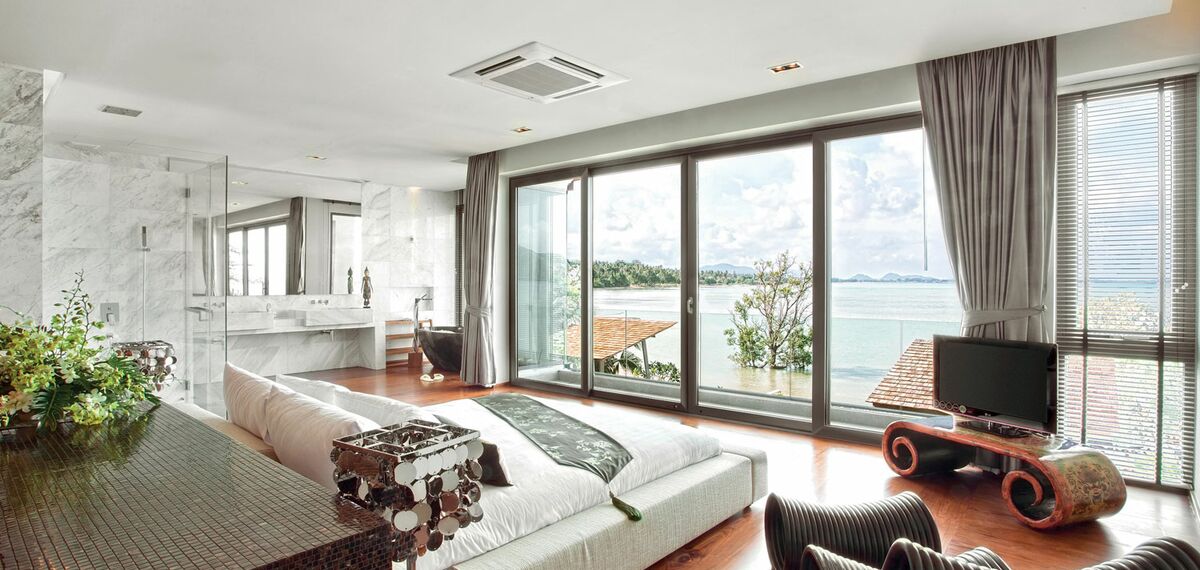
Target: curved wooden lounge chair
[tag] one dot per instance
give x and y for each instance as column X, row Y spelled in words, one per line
column 1159, row 554
column 863, row 533
column 906, row 555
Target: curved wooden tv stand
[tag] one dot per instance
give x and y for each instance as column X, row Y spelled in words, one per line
column 1049, row 481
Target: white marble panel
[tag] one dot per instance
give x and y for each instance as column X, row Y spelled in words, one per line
column 73, row 182
column 166, row 229
column 20, row 96
column 76, row 225
column 136, row 188
column 20, row 153
column 22, row 199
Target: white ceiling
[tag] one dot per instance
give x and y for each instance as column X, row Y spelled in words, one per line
column 366, row 83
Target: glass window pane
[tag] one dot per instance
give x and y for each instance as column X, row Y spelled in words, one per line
column 636, row 259
column 277, row 252
column 346, row 245
column 891, row 281
column 754, row 243
column 256, row 261
column 236, row 263
column 547, row 282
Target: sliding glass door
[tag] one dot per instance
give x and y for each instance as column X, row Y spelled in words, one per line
column 890, row 285
column 779, row 281
column 754, row 296
column 547, row 310
column 636, row 287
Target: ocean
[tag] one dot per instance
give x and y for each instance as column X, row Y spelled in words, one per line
column 871, row 324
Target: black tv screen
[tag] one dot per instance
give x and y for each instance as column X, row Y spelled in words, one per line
column 1005, row 382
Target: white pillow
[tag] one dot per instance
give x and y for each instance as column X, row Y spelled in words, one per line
column 303, row 429
column 323, row 391
column 246, row 397
column 380, row 409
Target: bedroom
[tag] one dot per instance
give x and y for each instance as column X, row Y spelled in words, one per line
column 764, row 223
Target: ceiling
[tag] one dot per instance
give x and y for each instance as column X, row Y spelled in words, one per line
column 366, row 83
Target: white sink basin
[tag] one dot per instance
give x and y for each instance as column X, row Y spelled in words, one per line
column 337, row 316
column 250, row 320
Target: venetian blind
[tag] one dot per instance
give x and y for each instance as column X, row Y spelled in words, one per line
column 1126, row 278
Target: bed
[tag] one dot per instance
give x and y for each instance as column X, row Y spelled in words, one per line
column 683, row 481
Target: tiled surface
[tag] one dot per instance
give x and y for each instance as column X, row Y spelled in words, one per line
column 909, row 384
column 168, row 492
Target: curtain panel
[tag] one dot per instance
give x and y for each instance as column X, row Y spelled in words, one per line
column 479, row 235
column 295, row 247
column 990, row 123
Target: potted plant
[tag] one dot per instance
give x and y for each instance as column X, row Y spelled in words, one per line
column 61, row 372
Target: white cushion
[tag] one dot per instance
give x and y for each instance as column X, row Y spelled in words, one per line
column 246, row 396
column 380, row 409
column 323, row 391
column 303, row 429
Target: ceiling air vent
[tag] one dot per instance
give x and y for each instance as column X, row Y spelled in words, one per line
column 534, row 71
column 123, row 111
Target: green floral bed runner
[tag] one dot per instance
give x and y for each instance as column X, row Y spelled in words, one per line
column 565, row 439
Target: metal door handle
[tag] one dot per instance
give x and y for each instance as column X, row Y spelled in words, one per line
column 691, row 306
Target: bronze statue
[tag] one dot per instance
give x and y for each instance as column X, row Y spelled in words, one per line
column 366, row 288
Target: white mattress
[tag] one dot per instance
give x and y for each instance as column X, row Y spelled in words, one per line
column 545, row 492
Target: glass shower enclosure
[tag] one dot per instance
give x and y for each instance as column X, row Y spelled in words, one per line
column 204, row 244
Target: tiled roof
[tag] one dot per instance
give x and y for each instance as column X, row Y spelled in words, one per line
column 611, row 335
column 909, row 384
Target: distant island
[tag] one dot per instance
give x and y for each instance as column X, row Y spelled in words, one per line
column 611, row 274
column 890, row 278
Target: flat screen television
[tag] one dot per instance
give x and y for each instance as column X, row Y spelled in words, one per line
column 997, row 381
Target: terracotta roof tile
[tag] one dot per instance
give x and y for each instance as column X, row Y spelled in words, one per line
column 909, row 384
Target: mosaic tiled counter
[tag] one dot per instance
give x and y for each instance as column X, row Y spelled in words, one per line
column 165, row 491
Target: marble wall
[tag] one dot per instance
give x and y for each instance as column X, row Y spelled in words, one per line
column 20, row 193
column 95, row 204
column 408, row 245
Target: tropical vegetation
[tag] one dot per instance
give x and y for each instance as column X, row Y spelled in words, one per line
column 60, row 371
column 772, row 323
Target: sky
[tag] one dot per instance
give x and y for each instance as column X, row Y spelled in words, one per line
column 755, row 206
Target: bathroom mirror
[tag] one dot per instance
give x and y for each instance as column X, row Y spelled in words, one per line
column 291, row 234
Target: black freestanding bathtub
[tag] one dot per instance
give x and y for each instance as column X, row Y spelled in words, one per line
column 443, row 347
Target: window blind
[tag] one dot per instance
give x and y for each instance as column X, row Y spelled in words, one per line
column 1126, row 275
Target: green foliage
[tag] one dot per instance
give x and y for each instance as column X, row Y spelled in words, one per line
column 771, row 322
column 60, row 371
column 663, row 371
column 610, row 274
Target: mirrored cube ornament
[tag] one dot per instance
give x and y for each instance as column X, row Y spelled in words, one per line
column 155, row 358
column 420, row 476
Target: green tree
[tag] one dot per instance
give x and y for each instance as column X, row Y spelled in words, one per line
column 771, row 322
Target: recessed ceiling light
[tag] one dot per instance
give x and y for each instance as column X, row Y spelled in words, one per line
column 235, row 204
column 414, row 188
column 785, row 67
column 521, row 130
column 238, row 182
column 315, row 157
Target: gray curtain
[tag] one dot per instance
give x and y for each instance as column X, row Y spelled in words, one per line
column 990, row 120
column 295, row 247
column 479, row 234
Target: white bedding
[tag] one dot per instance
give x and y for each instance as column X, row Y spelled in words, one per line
column 545, row 492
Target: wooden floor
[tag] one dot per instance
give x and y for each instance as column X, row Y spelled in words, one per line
column 966, row 505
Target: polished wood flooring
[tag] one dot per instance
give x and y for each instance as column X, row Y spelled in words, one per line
column 967, row 504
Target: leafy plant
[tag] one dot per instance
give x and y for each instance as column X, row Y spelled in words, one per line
column 771, row 322
column 61, row 371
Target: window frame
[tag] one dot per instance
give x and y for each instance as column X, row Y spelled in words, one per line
column 819, row 423
column 244, row 229
column 1072, row 331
